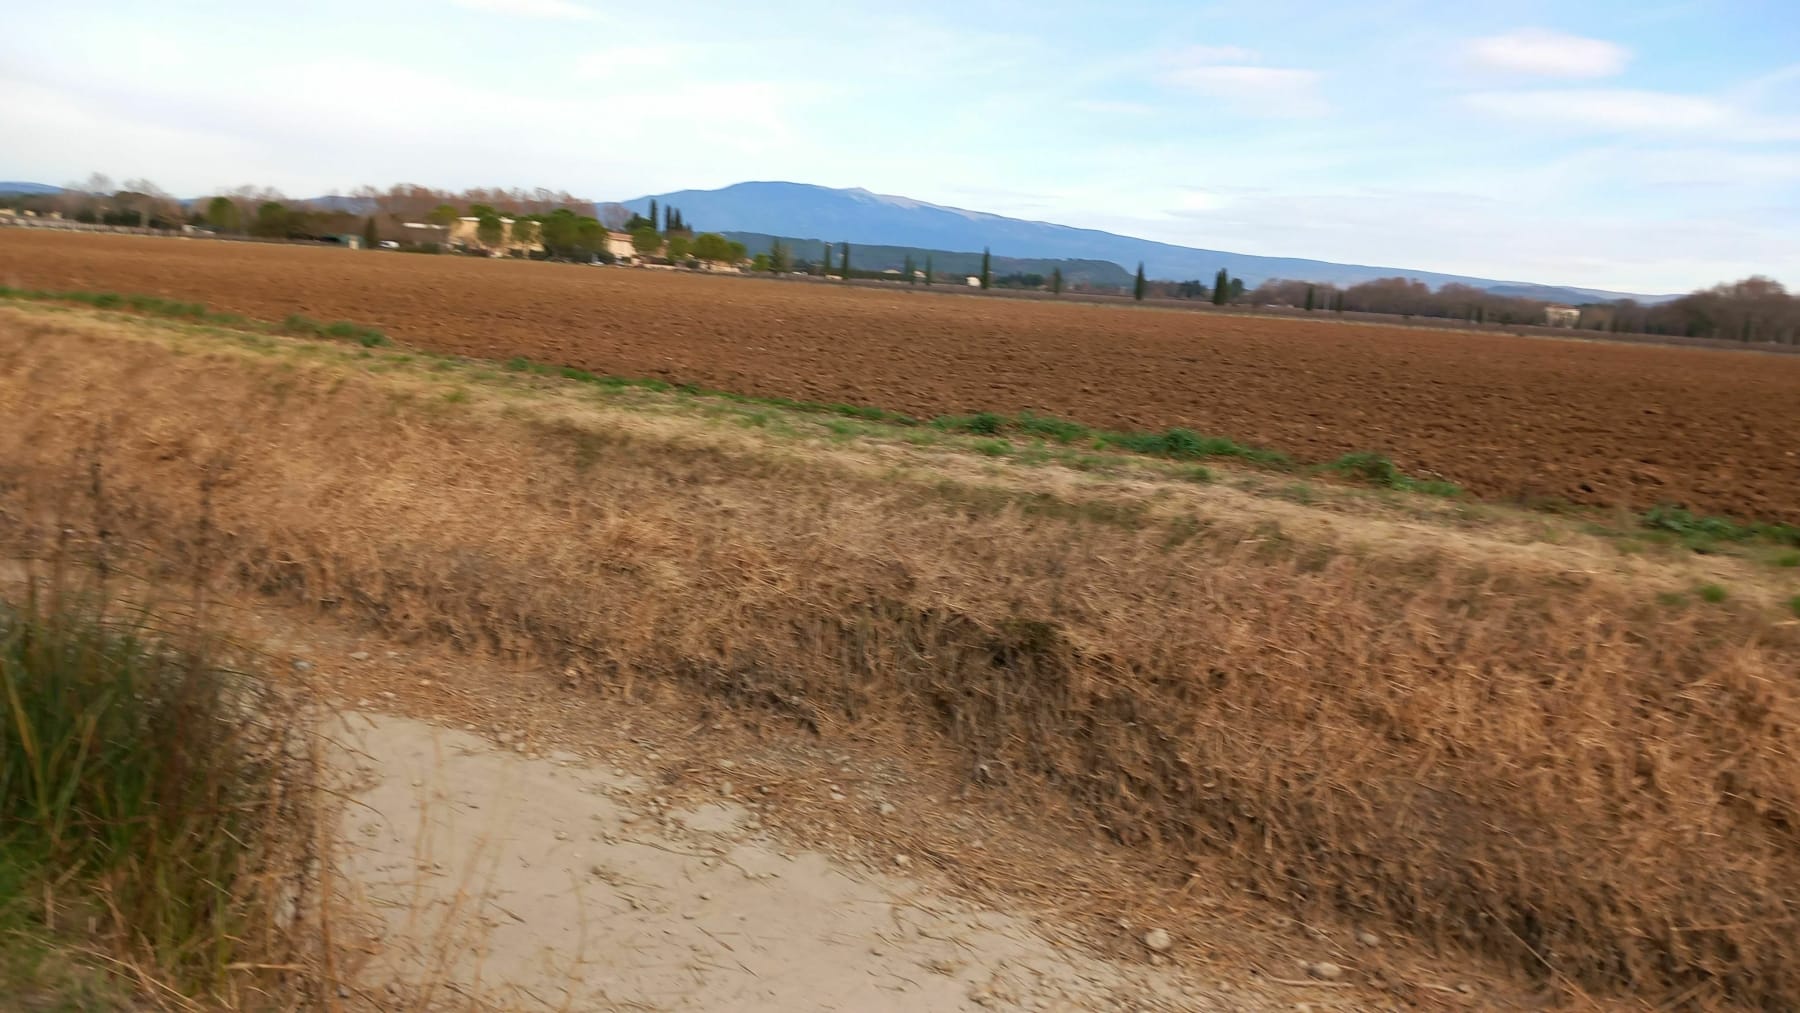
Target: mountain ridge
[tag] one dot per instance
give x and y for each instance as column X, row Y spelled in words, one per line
column 1097, row 274
column 859, row 216
column 863, row 217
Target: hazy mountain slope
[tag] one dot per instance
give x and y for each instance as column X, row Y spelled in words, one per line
column 1094, row 273
column 860, row 217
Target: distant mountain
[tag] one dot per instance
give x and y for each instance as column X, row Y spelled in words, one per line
column 863, row 218
column 28, row 189
column 335, row 202
column 1560, row 293
column 1092, row 273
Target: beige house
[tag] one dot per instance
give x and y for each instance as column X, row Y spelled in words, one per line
column 464, row 230
column 423, row 232
column 1562, row 316
column 619, row 245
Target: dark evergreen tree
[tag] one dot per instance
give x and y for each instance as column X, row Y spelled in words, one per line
column 653, row 213
column 1221, row 288
column 928, row 269
column 987, row 268
column 844, row 262
column 907, row 269
column 1137, row 287
column 825, row 271
column 1056, row 282
column 1310, row 296
column 371, row 235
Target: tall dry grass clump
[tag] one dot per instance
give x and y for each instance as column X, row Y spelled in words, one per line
column 158, row 810
column 1458, row 737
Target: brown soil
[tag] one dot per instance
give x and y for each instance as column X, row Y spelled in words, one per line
column 1519, row 752
column 1507, row 417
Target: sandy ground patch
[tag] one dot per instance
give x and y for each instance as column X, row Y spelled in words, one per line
column 555, row 883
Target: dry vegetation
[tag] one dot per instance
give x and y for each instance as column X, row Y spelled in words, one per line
column 159, row 816
column 1506, row 749
column 1507, row 418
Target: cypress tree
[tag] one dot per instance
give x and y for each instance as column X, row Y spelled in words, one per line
column 908, row 269
column 825, row 268
column 928, row 269
column 844, row 262
column 1137, row 288
column 987, row 272
column 1310, row 294
column 1056, row 282
column 653, row 212
column 1221, row 288
column 371, row 235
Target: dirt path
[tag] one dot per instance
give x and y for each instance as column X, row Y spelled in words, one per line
column 558, row 883
column 514, row 843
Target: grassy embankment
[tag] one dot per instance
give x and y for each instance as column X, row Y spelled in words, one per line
column 1493, row 728
column 156, row 817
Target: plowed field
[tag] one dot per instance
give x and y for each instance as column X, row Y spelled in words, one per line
column 1506, row 417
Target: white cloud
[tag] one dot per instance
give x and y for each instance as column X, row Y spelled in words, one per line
column 1714, row 167
column 1609, row 109
column 1215, row 54
column 1109, row 107
column 1550, row 54
column 557, row 9
column 1190, row 200
column 627, row 61
column 1633, row 111
column 1234, row 74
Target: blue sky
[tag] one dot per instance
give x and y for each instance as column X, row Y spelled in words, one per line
column 1639, row 145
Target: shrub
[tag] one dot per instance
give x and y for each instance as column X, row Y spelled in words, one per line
column 1712, row 593
column 1696, row 530
column 1060, row 430
column 1185, row 444
column 147, row 788
column 980, row 423
column 1380, row 471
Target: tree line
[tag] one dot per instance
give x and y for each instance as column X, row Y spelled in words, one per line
column 554, row 224
column 1756, row 309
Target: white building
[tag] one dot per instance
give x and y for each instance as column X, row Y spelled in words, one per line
column 974, row 282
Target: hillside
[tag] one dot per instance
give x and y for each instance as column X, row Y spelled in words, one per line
column 1089, row 273
column 862, row 218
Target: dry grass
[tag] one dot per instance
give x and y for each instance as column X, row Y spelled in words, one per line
column 1550, row 769
column 158, row 811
